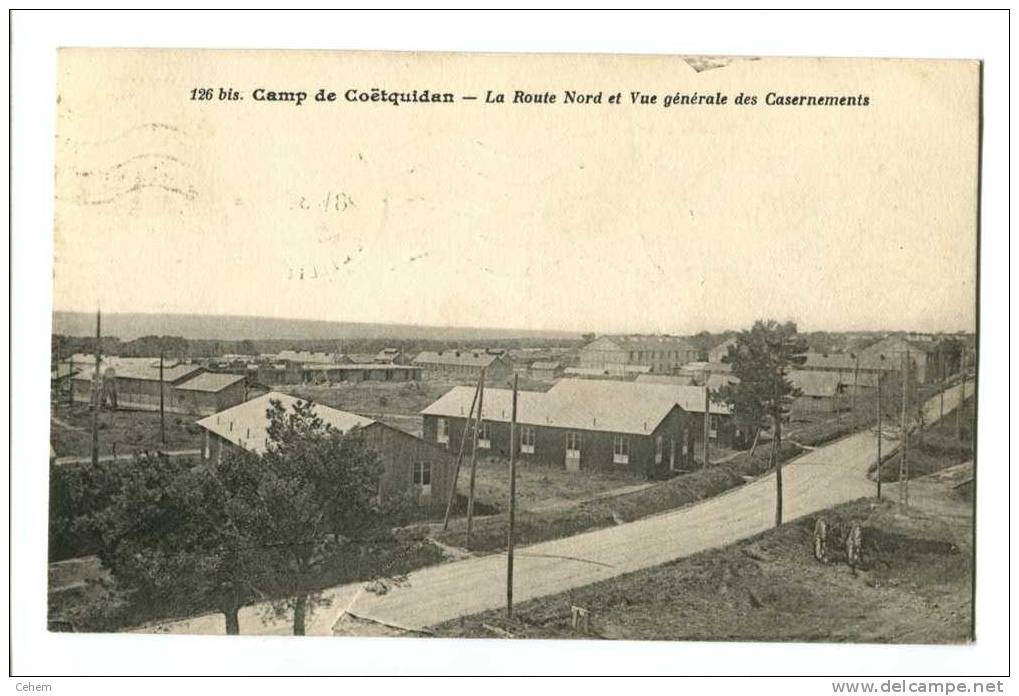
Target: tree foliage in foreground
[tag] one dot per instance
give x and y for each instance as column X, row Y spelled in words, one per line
column 219, row 535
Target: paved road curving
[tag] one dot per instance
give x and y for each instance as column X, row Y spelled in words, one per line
column 819, row 479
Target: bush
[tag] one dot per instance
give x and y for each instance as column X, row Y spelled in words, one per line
column 77, row 492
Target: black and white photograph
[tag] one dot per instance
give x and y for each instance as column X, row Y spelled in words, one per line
column 466, row 347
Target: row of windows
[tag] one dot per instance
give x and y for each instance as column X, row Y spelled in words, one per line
column 659, row 355
column 620, row 443
column 528, row 436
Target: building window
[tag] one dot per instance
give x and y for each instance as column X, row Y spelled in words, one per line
column 620, row 449
column 713, row 427
column 573, row 442
column 572, row 451
column 485, row 436
column 442, row 431
column 659, row 447
column 527, row 440
column 423, row 477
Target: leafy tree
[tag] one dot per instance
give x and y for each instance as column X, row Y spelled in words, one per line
column 704, row 341
column 762, row 394
column 217, row 535
column 317, row 488
column 179, row 536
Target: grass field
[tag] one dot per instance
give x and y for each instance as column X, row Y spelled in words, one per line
column 125, row 431
column 539, row 486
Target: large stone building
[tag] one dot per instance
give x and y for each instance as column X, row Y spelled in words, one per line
column 931, row 358
column 662, row 354
column 648, row 429
column 410, row 465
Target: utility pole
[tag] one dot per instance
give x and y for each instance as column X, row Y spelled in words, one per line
column 474, row 455
column 776, row 453
column 903, row 462
column 70, row 379
column 962, row 400
column 96, row 392
column 856, row 383
column 707, row 423
column 879, row 436
column 944, row 378
column 162, row 417
column 512, row 503
column 835, row 400
column 460, row 456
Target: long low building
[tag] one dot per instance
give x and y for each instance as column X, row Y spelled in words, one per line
column 588, row 424
column 209, row 392
column 288, row 372
column 465, row 365
column 360, row 372
column 410, row 465
column 615, row 371
column 135, row 383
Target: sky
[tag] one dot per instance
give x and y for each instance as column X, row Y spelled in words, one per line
column 601, row 218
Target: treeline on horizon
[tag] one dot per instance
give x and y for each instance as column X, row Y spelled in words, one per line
column 179, row 347
column 182, row 348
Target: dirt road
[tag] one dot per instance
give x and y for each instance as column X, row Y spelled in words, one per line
column 822, row 478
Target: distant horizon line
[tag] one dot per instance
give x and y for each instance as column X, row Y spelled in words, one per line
column 504, row 329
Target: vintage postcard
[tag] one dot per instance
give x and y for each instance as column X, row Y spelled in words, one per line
column 672, row 348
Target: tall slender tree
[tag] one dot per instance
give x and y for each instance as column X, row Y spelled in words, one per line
column 317, row 488
column 761, row 393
